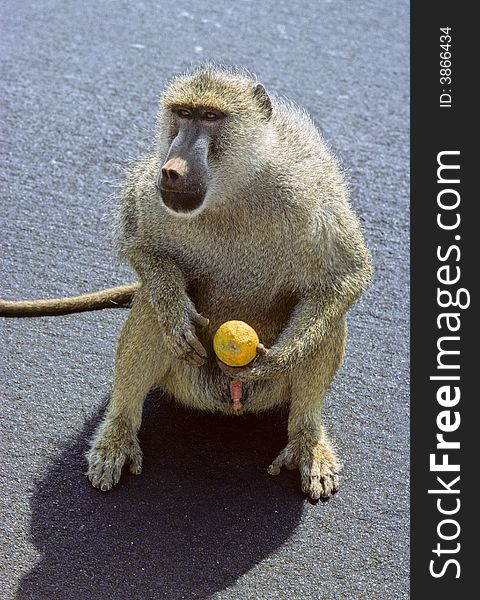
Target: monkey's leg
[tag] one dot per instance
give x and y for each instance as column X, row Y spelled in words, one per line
column 139, row 365
column 308, row 447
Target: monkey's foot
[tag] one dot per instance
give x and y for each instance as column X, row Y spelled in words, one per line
column 107, row 456
column 318, row 468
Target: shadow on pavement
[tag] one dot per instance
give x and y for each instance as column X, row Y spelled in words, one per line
column 203, row 512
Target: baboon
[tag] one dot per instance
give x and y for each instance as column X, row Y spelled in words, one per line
column 239, row 212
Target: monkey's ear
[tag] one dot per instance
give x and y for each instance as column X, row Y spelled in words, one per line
column 261, row 96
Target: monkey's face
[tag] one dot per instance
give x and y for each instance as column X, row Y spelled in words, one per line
column 183, row 179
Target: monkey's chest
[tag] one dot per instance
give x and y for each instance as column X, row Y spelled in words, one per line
column 266, row 312
column 239, row 269
column 236, row 277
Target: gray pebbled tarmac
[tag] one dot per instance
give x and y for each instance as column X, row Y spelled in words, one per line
column 79, row 85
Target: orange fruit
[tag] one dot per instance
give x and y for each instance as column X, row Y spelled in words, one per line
column 235, row 343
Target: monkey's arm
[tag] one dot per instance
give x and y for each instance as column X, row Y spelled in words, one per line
column 166, row 290
column 311, row 322
column 345, row 272
column 118, row 297
column 166, row 286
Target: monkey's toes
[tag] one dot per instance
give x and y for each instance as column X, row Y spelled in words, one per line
column 286, row 459
column 105, row 468
column 273, row 469
column 318, row 469
column 319, row 479
column 135, row 469
column 105, row 465
column 320, row 486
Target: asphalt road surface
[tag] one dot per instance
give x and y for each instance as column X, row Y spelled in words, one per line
column 79, row 87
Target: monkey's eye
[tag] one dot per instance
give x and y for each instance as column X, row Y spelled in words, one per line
column 183, row 113
column 210, row 116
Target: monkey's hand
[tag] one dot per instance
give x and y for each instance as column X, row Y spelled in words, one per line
column 181, row 337
column 255, row 370
column 164, row 286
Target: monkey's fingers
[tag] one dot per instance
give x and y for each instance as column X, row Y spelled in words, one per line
column 188, row 347
column 233, row 372
column 199, row 319
column 195, row 343
column 189, row 359
column 261, row 350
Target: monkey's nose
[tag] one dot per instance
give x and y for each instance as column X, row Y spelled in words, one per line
column 173, row 172
column 170, row 175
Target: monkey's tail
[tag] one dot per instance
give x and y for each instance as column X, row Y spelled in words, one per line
column 117, row 297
